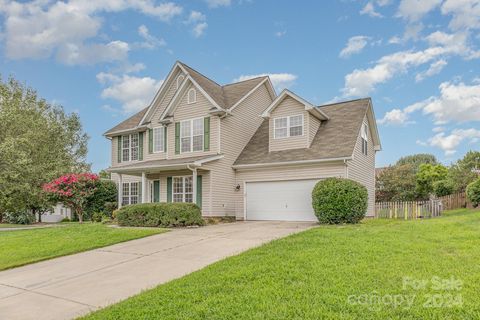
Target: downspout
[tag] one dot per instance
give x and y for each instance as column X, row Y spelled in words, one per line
column 194, row 182
column 346, row 168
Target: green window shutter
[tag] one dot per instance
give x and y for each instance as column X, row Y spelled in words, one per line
column 150, row 140
column 140, row 146
column 165, row 139
column 206, row 134
column 156, row 191
column 177, row 137
column 139, row 186
column 119, row 150
column 199, row 191
column 169, row 189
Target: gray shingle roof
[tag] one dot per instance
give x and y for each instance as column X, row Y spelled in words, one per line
column 130, row 123
column 335, row 137
column 225, row 96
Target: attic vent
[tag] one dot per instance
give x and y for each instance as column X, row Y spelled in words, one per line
column 180, row 80
column 192, row 96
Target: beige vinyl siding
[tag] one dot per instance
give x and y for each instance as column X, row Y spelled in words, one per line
column 236, row 131
column 288, row 107
column 114, row 142
column 165, row 100
column 154, row 155
column 185, row 111
column 313, row 126
column 296, row 172
column 362, row 168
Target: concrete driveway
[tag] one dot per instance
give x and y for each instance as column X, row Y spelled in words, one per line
column 67, row 287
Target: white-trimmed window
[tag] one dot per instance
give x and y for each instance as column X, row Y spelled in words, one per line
column 182, row 189
column 130, row 147
column 285, row 127
column 130, row 192
column 158, row 139
column 192, row 96
column 364, row 135
column 180, row 80
column 191, row 135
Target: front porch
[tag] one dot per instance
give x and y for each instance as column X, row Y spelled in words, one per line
column 171, row 180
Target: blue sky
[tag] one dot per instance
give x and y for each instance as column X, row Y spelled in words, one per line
column 418, row 60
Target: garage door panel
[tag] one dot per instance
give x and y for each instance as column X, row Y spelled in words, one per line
column 280, row 200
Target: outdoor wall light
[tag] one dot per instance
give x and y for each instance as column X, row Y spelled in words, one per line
column 237, row 187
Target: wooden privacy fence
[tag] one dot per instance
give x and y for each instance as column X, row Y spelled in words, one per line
column 408, row 209
column 455, row 201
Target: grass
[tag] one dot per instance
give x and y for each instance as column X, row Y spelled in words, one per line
column 27, row 246
column 312, row 274
column 9, row 225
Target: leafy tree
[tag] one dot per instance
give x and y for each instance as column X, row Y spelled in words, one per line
column 104, row 174
column 442, row 188
column 417, row 159
column 397, row 183
column 105, row 193
column 427, row 175
column 73, row 190
column 461, row 173
column 473, row 193
column 38, row 141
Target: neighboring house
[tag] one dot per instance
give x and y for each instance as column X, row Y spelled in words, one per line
column 239, row 149
column 59, row 213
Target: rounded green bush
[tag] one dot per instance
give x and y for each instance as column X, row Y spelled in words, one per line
column 160, row 215
column 473, row 193
column 337, row 200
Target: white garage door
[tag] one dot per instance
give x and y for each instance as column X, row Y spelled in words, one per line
column 280, row 200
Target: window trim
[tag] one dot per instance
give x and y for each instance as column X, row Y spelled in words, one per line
column 194, row 96
column 183, row 189
column 129, row 196
column 288, row 126
column 162, row 129
column 192, row 135
column 130, row 148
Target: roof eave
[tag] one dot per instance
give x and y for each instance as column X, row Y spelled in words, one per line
column 289, row 163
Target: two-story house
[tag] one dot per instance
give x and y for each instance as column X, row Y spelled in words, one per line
column 239, row 149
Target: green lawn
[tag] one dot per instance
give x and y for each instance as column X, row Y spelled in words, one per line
column 26, row 246
column 324, row 273
column 9, row 225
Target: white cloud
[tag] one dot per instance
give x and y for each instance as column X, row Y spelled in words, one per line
column 69, row 30
column 218, row 3
column 449, row 143
column 414, row 10
column 435, row 68
column 394, row 117
column 198, row 20
column 354, row 45
column 457, row 103
column 465, row 13
column 438, row 129
column 73, row 54
column 361, row 82
column 150, row 42
column 280, row 34
column 134, row 93
column 369, row 9
column 279, row 80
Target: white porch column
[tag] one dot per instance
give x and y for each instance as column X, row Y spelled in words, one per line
column 120, row 190
column 194, row 185
column 144, row 187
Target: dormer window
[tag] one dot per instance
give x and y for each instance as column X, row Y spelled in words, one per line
column 364, row 135
column 192, row 96
column 285, row 127
column 180, row 80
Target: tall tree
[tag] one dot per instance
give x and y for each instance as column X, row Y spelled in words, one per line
column 417, row 159
column 426, row 176
column 461, row 173
column 38, row 141
column 397, row 183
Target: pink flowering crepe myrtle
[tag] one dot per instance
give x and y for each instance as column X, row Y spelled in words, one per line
column 72, row 190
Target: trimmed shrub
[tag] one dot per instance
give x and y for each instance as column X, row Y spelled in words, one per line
column 337, row 200
column 21, row 217
column 473, row 193
column 98, row 216
column 160, row 215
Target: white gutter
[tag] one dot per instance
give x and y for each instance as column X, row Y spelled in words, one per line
column 287, row 163
column 124, row 131
column 197, row 163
